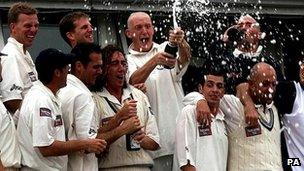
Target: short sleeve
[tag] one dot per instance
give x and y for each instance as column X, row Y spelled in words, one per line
column 43, row 130
column 151, row 125
column 192, row 98
column 132, row 67
column 11, row 85
column 185, row 137
column 84, row 112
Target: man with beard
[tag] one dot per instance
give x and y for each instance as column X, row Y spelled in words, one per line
column 78, row 108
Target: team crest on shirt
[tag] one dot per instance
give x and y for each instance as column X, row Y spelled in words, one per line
column 204, row 130
column 58, row 121
column 45, row 112
column 32, row 76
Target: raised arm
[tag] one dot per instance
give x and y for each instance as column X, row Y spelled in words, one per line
column 176, row 36
column 142, row 74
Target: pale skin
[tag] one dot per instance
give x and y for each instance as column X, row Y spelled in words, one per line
column 82, row 33
column 59, row 148
column 253, row 35
column 115, row 87
column 251, row 96
column 213, row 91
column 140, row 31
column 24, row 31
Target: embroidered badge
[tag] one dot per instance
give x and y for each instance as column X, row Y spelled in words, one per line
column 253, row 130
column 45, row 112
column 32, row 76
column 58, row 121
column 204, row 130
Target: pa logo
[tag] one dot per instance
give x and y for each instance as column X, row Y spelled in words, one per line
column 293, row 162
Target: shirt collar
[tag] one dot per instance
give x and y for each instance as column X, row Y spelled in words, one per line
column 220, row 115
column 133, row 52
column 72, row 79
column 126, row 94
column 15, row 42
column 237, row 52
column 268, row 106
column 47, row 91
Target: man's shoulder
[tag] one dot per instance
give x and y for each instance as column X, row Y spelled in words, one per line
column 229, row 99
column 35, row 95
column 69, row 91
column 189, row 109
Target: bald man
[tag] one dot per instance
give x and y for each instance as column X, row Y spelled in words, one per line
column 252, row 147
column 247, row 52
column 164, row 90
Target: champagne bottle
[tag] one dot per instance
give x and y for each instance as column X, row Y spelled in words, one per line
column 171, row 49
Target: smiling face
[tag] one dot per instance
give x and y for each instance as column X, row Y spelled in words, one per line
column 83, row 32
column 140, row 31
column 92, row 70
column 213, row 89
column 116, row 71
column 25, row 29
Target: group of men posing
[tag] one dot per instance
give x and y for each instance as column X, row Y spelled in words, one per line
column 97, row 109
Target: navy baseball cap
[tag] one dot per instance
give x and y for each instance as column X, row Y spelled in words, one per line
column 53, row 58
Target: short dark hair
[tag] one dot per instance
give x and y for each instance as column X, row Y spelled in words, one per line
column 66, row 24
column 19, row 8
column 48, row 61
column 82, row 53
column 211, row 68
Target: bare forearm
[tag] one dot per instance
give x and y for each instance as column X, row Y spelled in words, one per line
column 149, row 144
column 1, row 166
column 59, row 148
column 242, row 94
column 184, row 53
column 142, row 74
column 112, row 135
column 112, row 124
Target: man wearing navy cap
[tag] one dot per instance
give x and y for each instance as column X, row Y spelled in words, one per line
column 40, row 129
